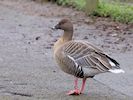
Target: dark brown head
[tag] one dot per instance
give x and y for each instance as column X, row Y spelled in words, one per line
column 65, row 24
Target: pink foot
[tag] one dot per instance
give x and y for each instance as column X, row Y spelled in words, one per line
column 74, row 92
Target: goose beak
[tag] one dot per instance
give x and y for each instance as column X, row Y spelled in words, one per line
column 56, row 27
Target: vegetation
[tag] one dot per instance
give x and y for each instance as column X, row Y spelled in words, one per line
column 115, row 10
column 121, row 12
column 79, row 4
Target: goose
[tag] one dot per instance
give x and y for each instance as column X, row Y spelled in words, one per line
column 80, row 58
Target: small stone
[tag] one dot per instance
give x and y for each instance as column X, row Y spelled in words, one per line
column 29, row 42
column 85, row 37
column 114, row 35
column 94, row 37
column 48, row 47
column 130, row 33
column 117, row 27
column 38, row 37
column 20, row 25
column 54, row 40
column 119, row 40
column 88, row 21
column 100, row 35
column 51, row 44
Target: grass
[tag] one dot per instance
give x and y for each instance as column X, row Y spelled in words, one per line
column 79, row 4
column 114, row 10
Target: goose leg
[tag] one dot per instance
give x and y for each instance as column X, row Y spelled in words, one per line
column 83, row 85
column 76, row 91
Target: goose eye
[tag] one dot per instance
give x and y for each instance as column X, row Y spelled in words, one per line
column 61, row 23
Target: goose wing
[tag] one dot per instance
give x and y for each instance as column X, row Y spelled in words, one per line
column 86, row 55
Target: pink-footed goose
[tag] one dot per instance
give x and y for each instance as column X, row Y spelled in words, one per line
column 80, row 58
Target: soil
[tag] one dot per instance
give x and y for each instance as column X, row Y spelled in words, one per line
column 27, row 68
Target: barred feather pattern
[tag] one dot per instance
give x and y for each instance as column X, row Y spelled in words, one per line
column 69, row 66
column 82, row 59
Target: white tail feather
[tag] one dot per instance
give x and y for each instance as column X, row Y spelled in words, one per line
column 117, row 71
column 111, row 63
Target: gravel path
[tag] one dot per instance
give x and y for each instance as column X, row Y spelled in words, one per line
column 27, row 68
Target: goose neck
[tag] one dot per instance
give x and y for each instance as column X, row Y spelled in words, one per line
column 67, row 36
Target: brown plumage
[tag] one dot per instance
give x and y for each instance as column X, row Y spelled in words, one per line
column 80, row 58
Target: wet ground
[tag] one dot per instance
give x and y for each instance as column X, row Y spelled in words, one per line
column 27, row 68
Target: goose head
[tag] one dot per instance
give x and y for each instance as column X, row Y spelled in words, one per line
column 66, row 25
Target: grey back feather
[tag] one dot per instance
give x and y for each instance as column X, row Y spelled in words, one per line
column 86, row 55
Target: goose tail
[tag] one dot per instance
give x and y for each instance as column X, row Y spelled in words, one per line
column 117, row 71
column 115, row 66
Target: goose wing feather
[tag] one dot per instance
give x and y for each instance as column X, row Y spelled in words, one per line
column 87, row 55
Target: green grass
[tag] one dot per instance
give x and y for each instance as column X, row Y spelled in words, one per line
column 79, row 4
column 114, row 10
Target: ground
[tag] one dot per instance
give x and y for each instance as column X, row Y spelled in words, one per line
column 27, row 68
